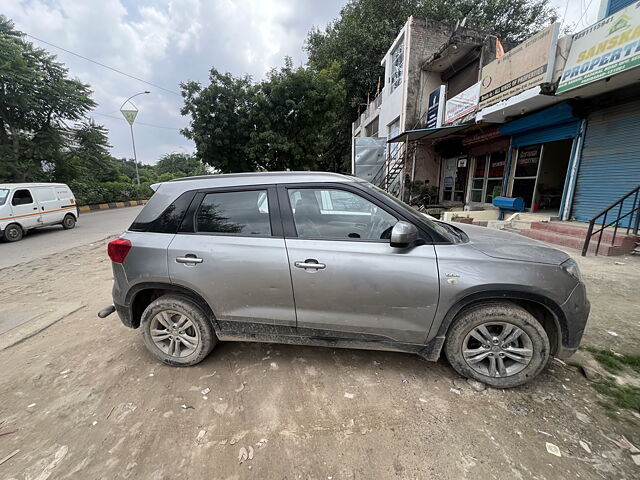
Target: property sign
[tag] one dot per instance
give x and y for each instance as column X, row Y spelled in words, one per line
column 608, row 47
column 462, row 105
column 527, row 65
column 436, row 107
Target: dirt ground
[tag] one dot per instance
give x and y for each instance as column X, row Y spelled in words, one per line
column 85, row 400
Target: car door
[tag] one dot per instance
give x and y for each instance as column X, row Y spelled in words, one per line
column 25, row 209
column 49, row 205
column 347, row 279
column 231, row 250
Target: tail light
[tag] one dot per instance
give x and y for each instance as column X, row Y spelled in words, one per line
column 118, row 249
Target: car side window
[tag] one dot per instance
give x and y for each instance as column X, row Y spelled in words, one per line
column 338, row 215
column 22, row 197
column 240, row 213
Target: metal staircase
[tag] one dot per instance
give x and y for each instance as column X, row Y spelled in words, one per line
column 388, row 177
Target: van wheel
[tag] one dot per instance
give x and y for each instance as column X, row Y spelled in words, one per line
column 68, row 222
column 499, row 344
column 13, row 233
column 177, row 331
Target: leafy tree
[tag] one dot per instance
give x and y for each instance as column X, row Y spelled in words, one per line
column 287, row 121
column 37, row 100
column 175, row 165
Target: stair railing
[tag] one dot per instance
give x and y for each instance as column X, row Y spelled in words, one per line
column 635, row 210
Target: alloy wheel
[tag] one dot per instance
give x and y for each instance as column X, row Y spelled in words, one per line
column 174, row 333
column 497, row 349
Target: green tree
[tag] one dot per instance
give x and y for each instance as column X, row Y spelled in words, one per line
column 37, row 101
column 287, row 121
column 175, row 165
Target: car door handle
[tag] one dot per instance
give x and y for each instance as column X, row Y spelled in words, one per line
column 310, row 264
column 189, row 259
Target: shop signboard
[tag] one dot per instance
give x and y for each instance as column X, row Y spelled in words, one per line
column 460, row 107
column 608, row 47
column 524, row 67
column 435, row 108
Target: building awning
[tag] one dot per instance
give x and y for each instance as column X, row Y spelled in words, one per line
column 428, row 133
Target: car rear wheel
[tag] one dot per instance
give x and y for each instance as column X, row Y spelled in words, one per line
column 68, row 222
column 177, row 331
column 13, row 233
column 499, row 344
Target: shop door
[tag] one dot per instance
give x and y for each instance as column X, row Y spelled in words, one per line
column 454, row 180
column 552, row 175
column 526, row 173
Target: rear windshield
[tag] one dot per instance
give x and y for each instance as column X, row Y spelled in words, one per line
column 4, row 193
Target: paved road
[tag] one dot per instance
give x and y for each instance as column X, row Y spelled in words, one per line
column 91, row 227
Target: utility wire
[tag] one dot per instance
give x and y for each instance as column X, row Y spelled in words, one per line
column 137, row 123
column 104, row 66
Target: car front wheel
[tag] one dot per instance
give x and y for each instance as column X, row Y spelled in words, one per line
column 177, row 331
column 499, row 344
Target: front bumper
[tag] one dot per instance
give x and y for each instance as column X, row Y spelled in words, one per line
column 576, row 311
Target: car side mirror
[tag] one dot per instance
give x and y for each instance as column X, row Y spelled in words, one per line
column 404, row 235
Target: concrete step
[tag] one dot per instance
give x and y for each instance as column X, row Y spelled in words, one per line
column 520, row 224
column 581, row 233
column 570, row 241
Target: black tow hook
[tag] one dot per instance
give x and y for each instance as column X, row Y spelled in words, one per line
column 106, row 311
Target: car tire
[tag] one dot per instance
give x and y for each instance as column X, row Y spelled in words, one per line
column 68, row 222
column 13, row 233
column 164, row 317
column 499, row 344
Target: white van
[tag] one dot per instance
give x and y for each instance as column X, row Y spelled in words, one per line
column 24, row 206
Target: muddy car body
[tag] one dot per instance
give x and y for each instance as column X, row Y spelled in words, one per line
column 330, row 260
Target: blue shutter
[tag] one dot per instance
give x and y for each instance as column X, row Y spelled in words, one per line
column 610, row 163
column 615, row 5
column 549, row 125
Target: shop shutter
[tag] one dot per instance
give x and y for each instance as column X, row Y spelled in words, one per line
column 610, row 162
column 550, row 134
column 554, row 123
column 615, row 5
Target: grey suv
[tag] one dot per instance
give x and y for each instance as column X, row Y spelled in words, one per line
column 329, row 260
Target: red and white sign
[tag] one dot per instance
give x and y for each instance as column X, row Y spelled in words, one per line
column 462, row 105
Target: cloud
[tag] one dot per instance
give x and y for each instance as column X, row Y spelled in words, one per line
column 165, row 42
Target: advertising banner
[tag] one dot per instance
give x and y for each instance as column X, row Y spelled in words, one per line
column 462, row 105
column 608, row 47
column 435, row 109
column 527, row 65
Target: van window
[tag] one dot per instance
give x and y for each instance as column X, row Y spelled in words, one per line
column 45, row 194
column 4, row 193
column 22, row 197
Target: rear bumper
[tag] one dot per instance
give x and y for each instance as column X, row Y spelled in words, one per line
column 576, row 311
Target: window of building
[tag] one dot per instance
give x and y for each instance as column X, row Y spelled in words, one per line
column 371, row 130
column 240, row 213
column 22, row 197
column 488, row 173
column 338, row 215
column 397, row 66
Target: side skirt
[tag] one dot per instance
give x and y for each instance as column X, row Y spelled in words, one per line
column 429, row 351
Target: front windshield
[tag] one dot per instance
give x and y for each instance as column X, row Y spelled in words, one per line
column 4, row 193
column 441, row 228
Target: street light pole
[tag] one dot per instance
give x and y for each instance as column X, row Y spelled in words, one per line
column 130, row 116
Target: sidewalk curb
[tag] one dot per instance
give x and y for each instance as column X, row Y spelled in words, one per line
column 107, row 206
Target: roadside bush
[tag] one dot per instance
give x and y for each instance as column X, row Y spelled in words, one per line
column 89, row 193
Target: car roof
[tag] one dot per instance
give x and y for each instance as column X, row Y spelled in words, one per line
column 32, row 184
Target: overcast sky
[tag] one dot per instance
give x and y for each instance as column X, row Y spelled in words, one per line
column 166, row 42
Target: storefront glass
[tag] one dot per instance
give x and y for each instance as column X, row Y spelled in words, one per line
column 488, row 172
